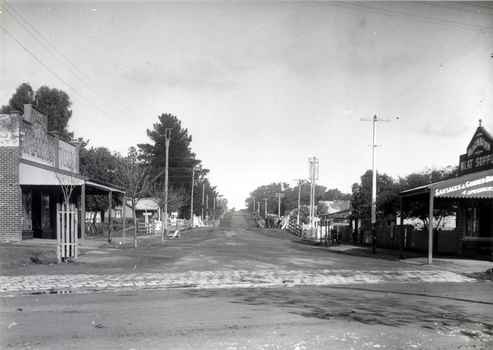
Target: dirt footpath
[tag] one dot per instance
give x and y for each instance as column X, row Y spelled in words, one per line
column 97, row 256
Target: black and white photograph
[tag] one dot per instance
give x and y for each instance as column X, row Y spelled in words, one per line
column 246, row 175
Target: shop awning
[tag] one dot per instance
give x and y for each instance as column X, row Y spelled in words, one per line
column 476, row 185
column 106, row 187
column 30, row 174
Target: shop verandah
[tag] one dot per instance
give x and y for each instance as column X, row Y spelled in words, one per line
column 42, row 195
column 472, row 196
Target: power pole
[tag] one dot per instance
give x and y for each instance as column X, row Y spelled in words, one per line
column 374, row 182
column 191, row 199
column 207, row 208
column 265, row 208
column 280, row 195
column 313, row 177
column 202, row 212
column 213, row 210
column 167, row 138
column 300, row 181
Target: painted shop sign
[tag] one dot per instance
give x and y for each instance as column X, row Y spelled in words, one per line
column 9, row 131
column 481, row 186
column 44, row 148
column 479, row 155
column 67, row 156
column 38, row 145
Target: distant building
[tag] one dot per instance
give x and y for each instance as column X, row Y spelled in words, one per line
column 338, row 211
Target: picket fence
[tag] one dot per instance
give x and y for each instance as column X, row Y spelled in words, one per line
column 67, row 232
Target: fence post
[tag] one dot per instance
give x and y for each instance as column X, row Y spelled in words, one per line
column 64, row 230
column 58, row 234
column 76, row 233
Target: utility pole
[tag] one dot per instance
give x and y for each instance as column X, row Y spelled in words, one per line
column 191, row 199
column 265, row 207
column 167, row 136
column 300, row 181
column 374, row 183
column 313, row 177
column 213, row 210
column 202, row 212
column 280, row 195
column 254, row 204
column 207, row 208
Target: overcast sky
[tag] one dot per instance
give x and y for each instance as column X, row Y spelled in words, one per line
column 263, row 86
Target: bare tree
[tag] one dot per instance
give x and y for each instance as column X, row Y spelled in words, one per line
column 68, row 181
column 137, row 178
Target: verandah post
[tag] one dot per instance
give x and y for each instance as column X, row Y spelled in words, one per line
column 430, row 229
column 58, row 233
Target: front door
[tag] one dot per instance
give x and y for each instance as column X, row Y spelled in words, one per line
column 43, row 209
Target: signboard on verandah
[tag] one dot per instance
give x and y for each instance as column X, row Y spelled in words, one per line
column 479, row 155
column 480, row 186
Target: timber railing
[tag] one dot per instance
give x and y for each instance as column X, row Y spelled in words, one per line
column 294, row 228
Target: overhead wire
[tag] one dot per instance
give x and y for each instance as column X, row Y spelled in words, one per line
column 61, row 54
column 49, row 69
column 401, row 14
column 418, row 84
column 60, row 78
column 459, row 53
column 68, row 68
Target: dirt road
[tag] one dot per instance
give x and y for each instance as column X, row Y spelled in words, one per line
column 238, row 287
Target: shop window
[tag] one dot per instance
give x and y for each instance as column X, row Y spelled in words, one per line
column 486, row 223
column 45, row 212
column 479, row 221
column 472, row 222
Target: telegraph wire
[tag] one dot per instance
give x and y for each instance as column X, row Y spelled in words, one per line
column 400, row 14
column 426, row 77
column 410, row 90
column 470, row 4
column 50, row 70
column 463, row 50
column 68, row 68
column 54, row 48
column 436, row 85
column 63, row 81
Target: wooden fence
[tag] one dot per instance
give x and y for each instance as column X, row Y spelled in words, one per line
column 67, row 235
column 147, row 228
column 294, row 228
